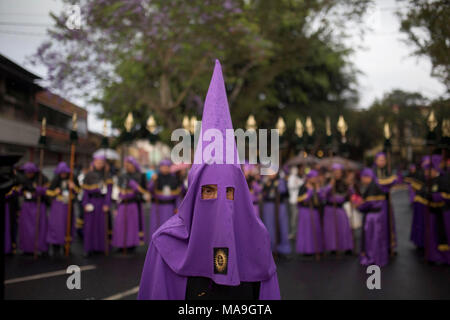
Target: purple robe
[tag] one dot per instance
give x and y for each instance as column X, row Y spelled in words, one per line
column 216, row 238
column 126, row 223
column 375, row 248
column 95, row 232
column 162, row 207
column 57, row 223
column 439, row 200
column 385, row 183
column 282, row 244
column 418, row 224
column 27, row 227
column 335, row 215
column 309, row 229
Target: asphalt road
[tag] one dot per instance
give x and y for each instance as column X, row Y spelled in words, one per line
column 117, row 276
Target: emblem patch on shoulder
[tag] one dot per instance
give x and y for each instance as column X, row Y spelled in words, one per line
column 221, row 260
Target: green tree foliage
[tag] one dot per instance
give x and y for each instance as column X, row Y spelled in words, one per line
column 426, row 22
column 155, row 57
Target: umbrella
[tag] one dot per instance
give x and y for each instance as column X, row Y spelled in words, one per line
column 110, row 154
column 348, row 164
column 301, row 159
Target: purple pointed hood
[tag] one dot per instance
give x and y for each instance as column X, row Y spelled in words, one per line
column 312, row 174
column 62, row 168
column 367, row 172
column 165, row 162
column 190, row 242
column 134, row 162
column 30, row 167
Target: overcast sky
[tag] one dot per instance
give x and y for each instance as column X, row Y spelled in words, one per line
column 383, row 58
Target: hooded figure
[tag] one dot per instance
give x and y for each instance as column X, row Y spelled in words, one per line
column 31, row 191
column 275, row 198
column 336, row 226
column 432, row 202
column 215, row 247
column 374, row 239
column 128, row 224
column 165, row 189
column 386, row 181
column 57, row 219
column 97, row 189
column 415, row 185
column 309, row 233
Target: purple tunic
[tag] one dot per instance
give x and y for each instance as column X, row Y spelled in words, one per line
column 376, row 235
column 94, row 229
column 220, row 238
column 309, row 229
column 335, row 215
column 162, row 207
column 126, row 223
column 385, row 184
column 438, row 200
column 418, row 224
column 27, row 227
column 282, row 244
column 57, row 223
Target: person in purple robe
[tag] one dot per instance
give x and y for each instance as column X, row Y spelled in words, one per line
column 128, row 224
column 275, row 197
column 32, row 229
column 336, row 227
column 215, row 247
column 416, row 183
column 433, row 201
column 309, row 228
column 165, row 188
column 97, row 190
column 386, row 180
column 58, row 192
column 375, row 233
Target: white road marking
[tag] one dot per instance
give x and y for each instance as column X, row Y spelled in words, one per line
column 120, row 295
column 47, row 275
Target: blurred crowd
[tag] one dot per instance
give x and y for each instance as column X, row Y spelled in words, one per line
column 308, row 209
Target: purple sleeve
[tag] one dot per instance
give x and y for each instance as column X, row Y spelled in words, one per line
column 133, row 185
column 307, row 195
column 368, row 206
column 151, row 185
column 437, row 197
column 40, row 190
column 269, row 289
column 324, row 192
column 158, row 281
